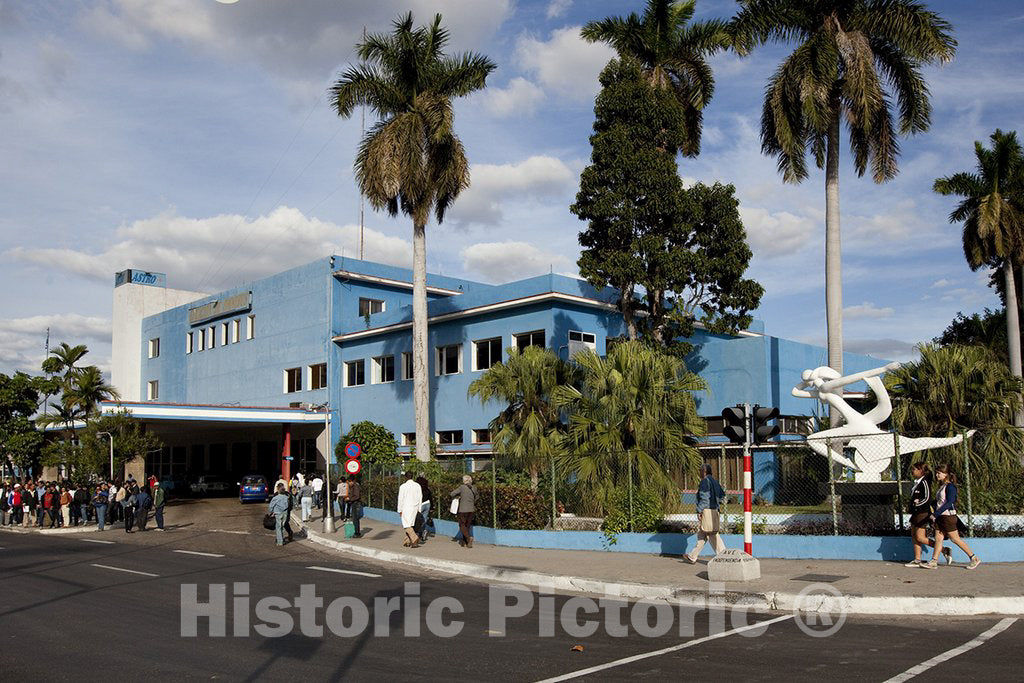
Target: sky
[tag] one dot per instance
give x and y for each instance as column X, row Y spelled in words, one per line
column 195, row 138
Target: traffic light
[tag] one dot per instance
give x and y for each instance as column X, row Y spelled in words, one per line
column 735, row 424
column 760, row 430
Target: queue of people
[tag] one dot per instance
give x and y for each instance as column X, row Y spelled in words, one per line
column 71, row 504
column 307, row 491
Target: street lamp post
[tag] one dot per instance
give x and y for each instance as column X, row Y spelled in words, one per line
column 329, row 508
column 111, row 437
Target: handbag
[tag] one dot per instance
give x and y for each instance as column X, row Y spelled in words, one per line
column 454, row 507
column 269, row 521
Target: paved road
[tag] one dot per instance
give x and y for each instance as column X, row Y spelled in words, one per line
column 81, row 606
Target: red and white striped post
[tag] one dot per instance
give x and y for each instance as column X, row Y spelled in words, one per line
column 748, row 538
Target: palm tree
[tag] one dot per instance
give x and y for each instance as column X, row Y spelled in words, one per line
column 411, row 159
column 951, row 389
column 672, row 54
column 88, row 390
column 63, row 361
column 528, row 429
column 991, row 212
column 633, row 417
column 847, row 51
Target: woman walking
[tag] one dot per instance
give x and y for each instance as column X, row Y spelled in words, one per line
column 946, row 521
column 306, row 500
column 426, row 509
column 920, row 509
column 410, row 498
column 279, row 506
column 467, row 495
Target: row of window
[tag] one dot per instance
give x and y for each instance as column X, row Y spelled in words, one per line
column 206, row 338
column 450, row 437
column 315, row 375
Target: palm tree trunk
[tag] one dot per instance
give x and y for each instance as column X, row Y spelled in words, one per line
column 833, row 256
column 1012, row 329
column 421, row 406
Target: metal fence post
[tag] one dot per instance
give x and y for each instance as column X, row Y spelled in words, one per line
column 721, row 474
column 630, row 462
column 554, row 514
column 832, row 488
column 899, row 476
column 967, row 482
column 494, row 491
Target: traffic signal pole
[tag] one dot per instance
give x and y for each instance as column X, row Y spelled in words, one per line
column 748, row 488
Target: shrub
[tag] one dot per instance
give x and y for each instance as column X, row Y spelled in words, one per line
column 648, row 509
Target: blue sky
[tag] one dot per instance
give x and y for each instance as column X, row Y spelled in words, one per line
column 194, row 138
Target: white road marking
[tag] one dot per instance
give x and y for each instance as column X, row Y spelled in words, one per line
column 956, row 651
column 228, row 531
column 196, row 552
column 345, row 571
column 96, row 540
column 663, row 651
column 121, row 569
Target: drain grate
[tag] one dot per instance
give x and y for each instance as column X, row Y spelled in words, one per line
column 819, row 578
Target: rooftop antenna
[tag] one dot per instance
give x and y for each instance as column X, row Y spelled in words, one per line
column 46, row 399
column 362, row 199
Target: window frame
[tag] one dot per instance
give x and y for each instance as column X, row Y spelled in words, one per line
column 409, row 439
column 440, row 442
column 289, row 386
column 370, row 306
column 530, row 334
column 476, row 433
column 154, row 347
column 476, row 353
column 378, row 369
column 441, row 365
column 315, row 380
column 153, row 390
column 189, row 343
column 407, row 365
column 250, row 326
column 211, row 337
column 236, row 330
column 351, row 364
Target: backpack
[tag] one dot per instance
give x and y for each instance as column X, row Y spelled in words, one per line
column 16, row 499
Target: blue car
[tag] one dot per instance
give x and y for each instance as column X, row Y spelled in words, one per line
column 253, row 488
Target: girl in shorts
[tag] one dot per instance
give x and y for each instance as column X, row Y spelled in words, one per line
column 946, row 520
column 920, row 509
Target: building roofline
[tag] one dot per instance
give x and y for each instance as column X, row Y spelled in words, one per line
column 391, row 282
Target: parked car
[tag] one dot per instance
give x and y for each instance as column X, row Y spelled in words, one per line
column 253, row 488
column 211, row 485
column 174, row 484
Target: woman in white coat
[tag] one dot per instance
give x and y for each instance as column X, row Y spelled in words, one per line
column 410, row 498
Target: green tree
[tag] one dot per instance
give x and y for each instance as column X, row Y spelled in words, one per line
column 20, row 441
column 90, row 453
column 411, row 160
column 376, row 441
column 88, row 389
column 675, row 255
column 528, row 429
column 672, row 53
column 992, row 213
column 987, row 329
column 633, row 415
column 63, row 360
column 846, row 53
column 952, row 389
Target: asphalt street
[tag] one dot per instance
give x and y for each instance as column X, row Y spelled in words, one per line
column 89, row 606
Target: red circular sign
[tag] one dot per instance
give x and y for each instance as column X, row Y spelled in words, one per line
column 353, row 466
column 353, row 450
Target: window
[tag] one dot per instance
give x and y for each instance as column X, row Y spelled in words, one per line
column 355, row 373
column 383, row 369
column 535, row 338
column 236, row 330
column 370, row 306
column 201, row 338
column 585, row 337
column 481, row 436
column 581, row 341
column 406, row 365
column 223, row 334
column 795, row 425
column 715, row 425
column 152, row 390
column 154, row 348
column 318, row 376
column 211, row 336
column 450, row 437
column 448, row 359
column 188, row 342
column 409, row 438
column 250, row 327
column 292, row 380
column 486, row 353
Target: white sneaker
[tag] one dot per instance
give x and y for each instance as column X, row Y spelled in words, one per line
column 930, row 564
column 913, row 563
column 947, row 555
column 973, row 564
column 689, row 559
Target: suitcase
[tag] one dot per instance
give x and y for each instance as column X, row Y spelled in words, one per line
column 350, row 529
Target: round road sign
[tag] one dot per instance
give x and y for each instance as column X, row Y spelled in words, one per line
column 353, row 466
column 353, row 450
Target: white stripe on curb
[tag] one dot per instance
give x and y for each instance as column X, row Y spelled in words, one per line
column 96, row 540
column 663, row 651
column 196, row 552
column 229, row 531
column 345, row 571
column 122, row 569
column 955, row 652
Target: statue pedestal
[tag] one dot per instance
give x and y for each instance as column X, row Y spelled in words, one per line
column 870, row 504
column 732, row 564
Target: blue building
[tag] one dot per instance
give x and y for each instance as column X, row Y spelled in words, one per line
column 285, row 365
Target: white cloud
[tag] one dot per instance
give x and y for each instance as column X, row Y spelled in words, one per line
column 558, row 8
column 781, row 232
column 867, row 310
column 23, row 340
column 565, row 64
column 538, row 176
column 941, row 282
column 506, row 261
column 519, row 98
column 886, row 349
column 217, row 252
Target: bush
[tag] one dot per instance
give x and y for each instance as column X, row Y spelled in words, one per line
column 648, row 509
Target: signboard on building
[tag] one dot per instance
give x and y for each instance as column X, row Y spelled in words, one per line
column 140, row 277
column 220, row 307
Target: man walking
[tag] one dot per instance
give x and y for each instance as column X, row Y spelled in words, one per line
column 318, row 491
column 143, row 503
column 158, row 505
column 410, row 498
column 709, row 495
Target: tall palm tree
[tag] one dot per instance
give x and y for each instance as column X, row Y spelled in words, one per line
column 672, row 53
column 992, row 213
column 847, row 52
column 88, row 390
column 633, row 415
column 528, row 428
column 411, row 159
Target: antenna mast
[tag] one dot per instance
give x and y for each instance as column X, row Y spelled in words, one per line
column 362, row 200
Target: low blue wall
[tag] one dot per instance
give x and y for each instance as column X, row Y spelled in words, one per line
column 890, row 548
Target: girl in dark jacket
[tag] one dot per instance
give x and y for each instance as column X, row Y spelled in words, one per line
column 946, row 521
column 920, row 509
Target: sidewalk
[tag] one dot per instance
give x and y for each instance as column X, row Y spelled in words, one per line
column 861, row 587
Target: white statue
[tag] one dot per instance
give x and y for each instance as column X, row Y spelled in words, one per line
column 874, row 447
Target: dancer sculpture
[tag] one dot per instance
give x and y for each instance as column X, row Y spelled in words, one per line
column 874, row 448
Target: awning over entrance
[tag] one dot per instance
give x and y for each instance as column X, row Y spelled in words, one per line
column 211, row 413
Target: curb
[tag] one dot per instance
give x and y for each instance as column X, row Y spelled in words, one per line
column 771, row 601
column 61, row 531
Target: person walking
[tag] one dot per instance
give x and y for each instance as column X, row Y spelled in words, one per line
column 709, row 494
column 947, row 523
column 410, row 497
column 128, row 507
column 318, row 491
column 354, row 503
column 81, row 501
column 427, row 508
column 468, row 495
column 279, row 507
column 100, row 502
column 920, row 510
column 159, row 498
column 340, row 495
column 306, row 501
column 143, row 504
